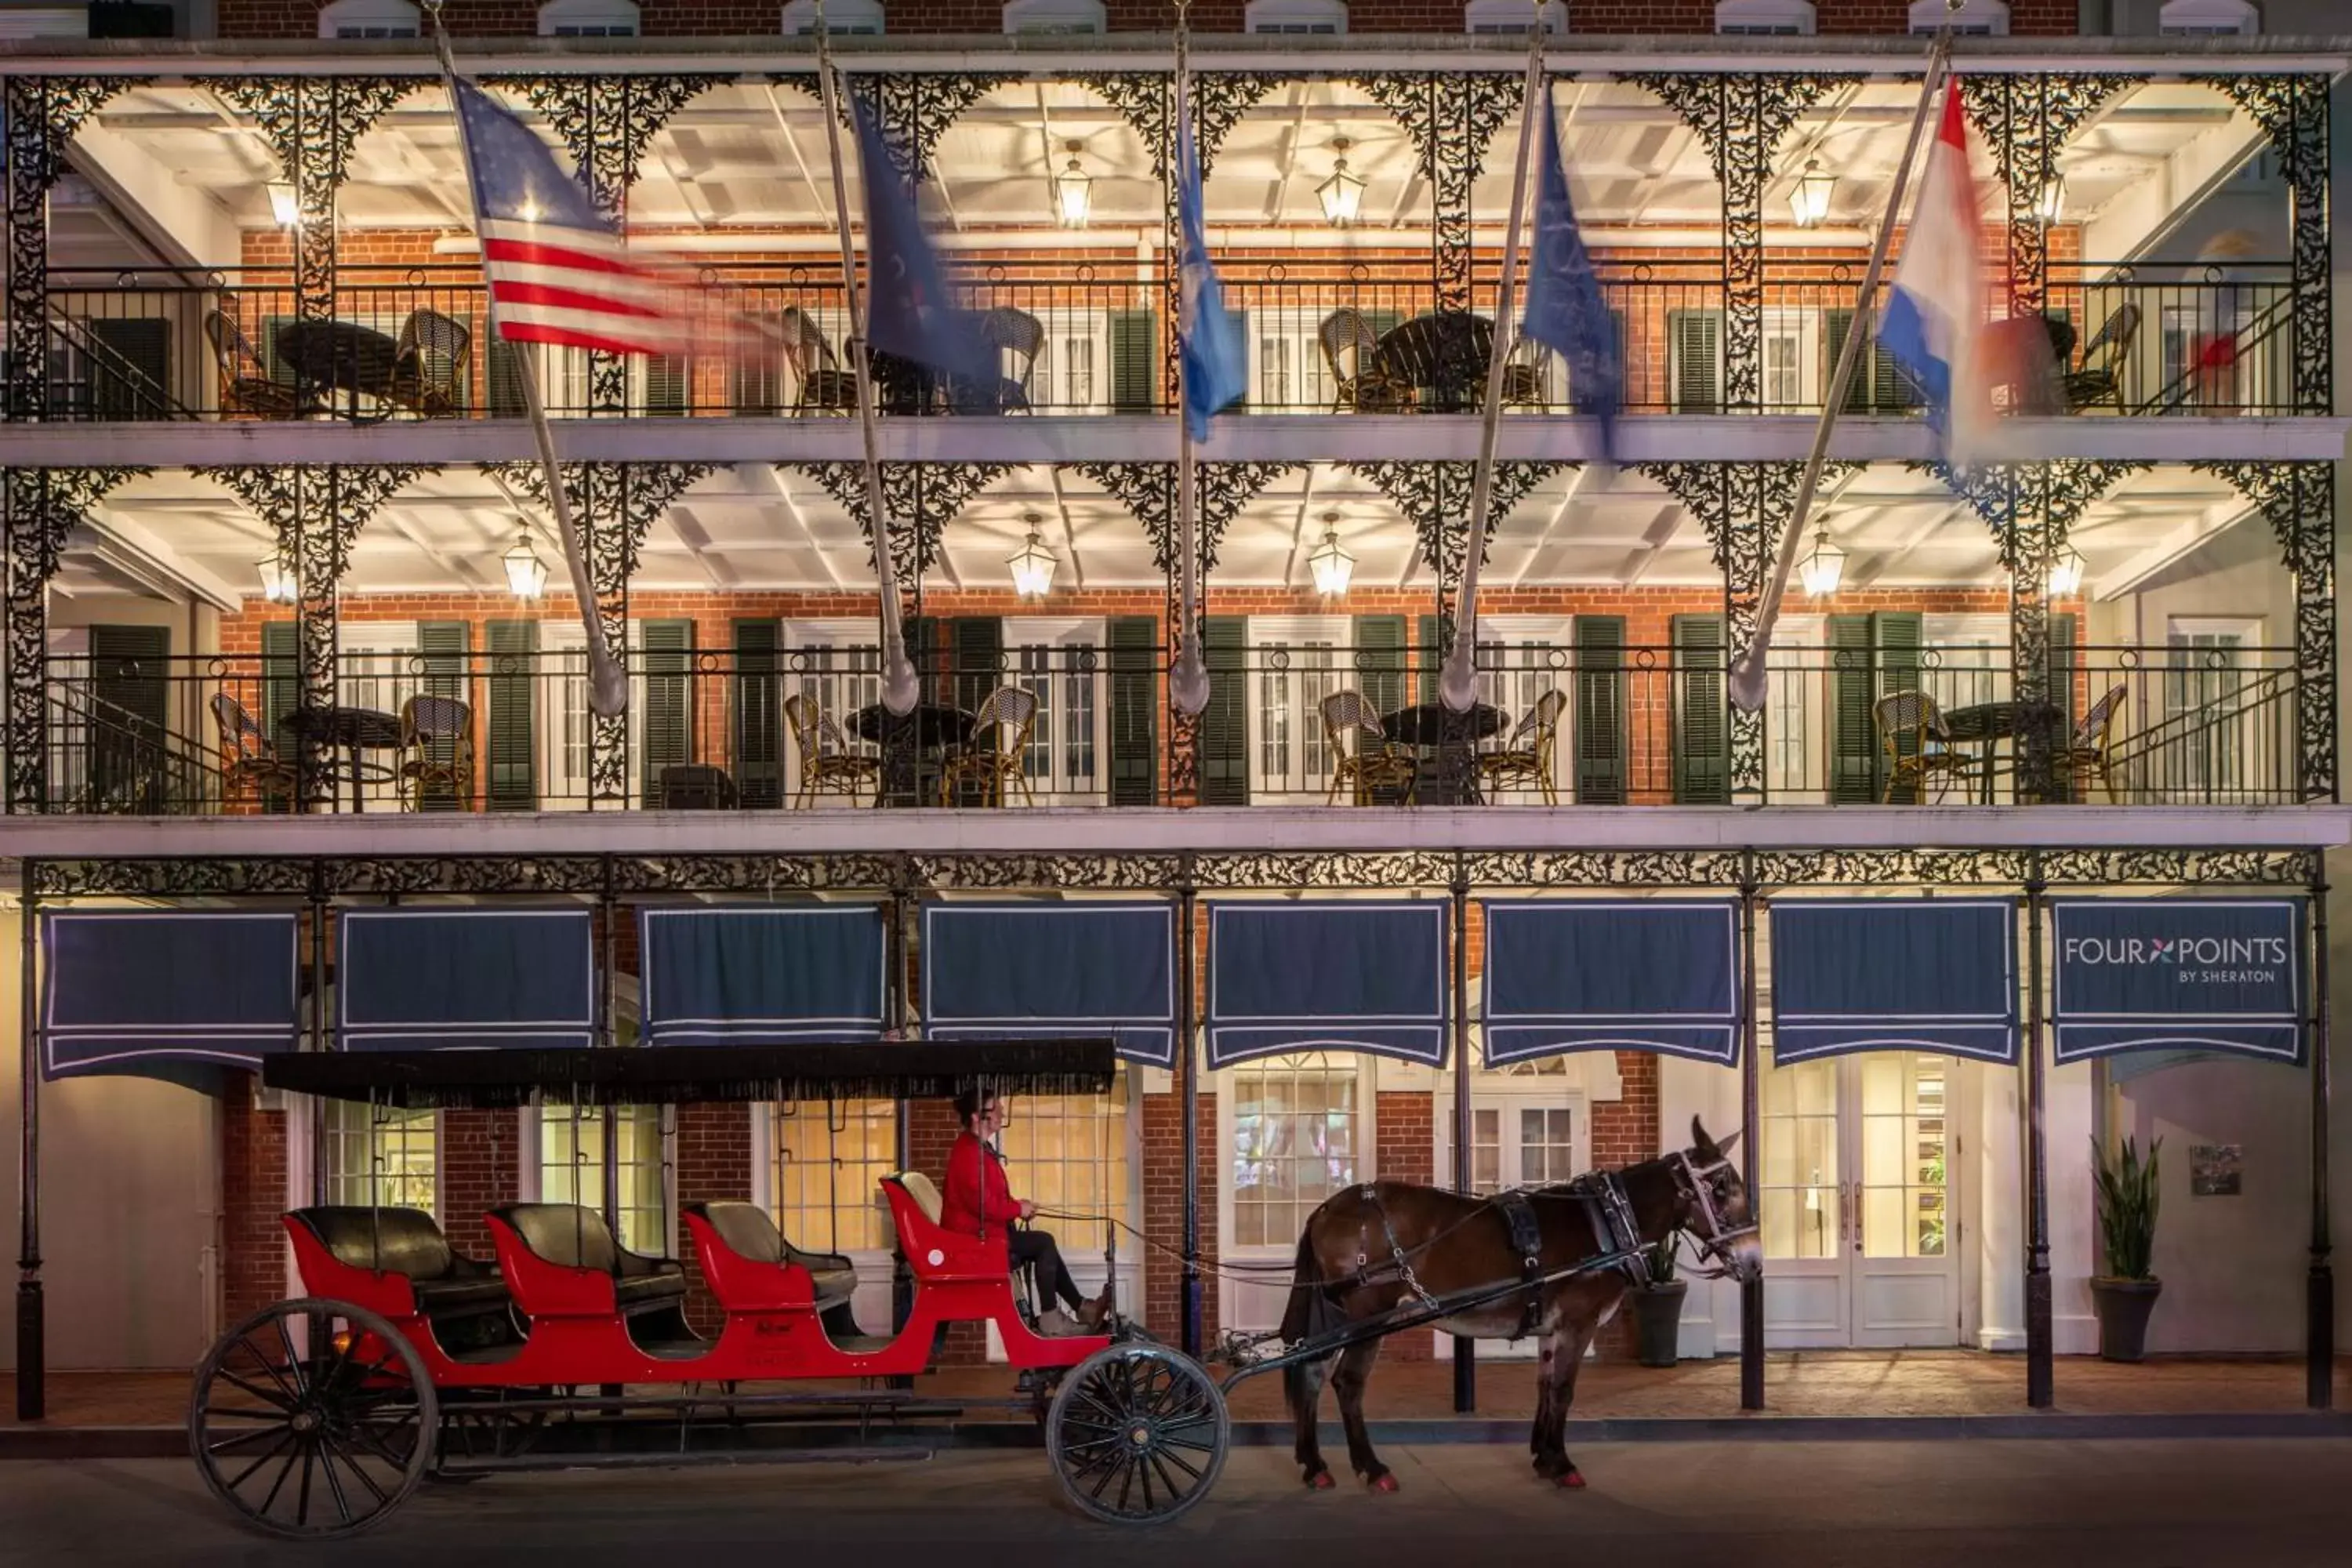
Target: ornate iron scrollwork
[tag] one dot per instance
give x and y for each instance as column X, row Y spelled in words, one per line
column 44, row 507
column 1741, row 117
column 2299, row 502
column 311, row 123
column 2292, row 111
column 1148, row 490
column 1435, row 498
column 2027, row 119
column 921, row 498
column 1452, row 117
column 42, row 115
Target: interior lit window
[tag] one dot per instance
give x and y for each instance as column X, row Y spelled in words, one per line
column 1068, row 1152
column 828, row 1164
column 1768, row 18
column 380, row 1157
column 1512, row 17
column 1036, row 17
column 1295, row 1143
column 2209, row 20
column 588, row 19
column 369, row 19
column 1329, row 18
column 857, row 16
column 573, row 1172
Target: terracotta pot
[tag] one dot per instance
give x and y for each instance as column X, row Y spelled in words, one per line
column 1658, row 1320
column 2124, row 1306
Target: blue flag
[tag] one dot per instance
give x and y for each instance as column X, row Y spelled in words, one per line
column 910, row 311
column 1216, row 365
column 1565, row 312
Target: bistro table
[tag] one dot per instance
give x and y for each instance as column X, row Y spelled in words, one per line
column 1432, row 726
column 928, row 729
column 355, row 730
column 1987, row 724
column 1447, row 352
column 341, row 355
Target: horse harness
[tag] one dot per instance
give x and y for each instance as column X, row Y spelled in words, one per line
column 1607, row 1208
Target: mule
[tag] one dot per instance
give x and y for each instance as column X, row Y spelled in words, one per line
column 1389, row 1245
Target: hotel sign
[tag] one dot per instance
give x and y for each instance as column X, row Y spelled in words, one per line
column 2206, row 974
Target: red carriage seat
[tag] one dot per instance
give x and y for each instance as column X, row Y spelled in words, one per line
column 932, row 1251
column 751, row 1268
column 403, row 1241
column 568, row 1236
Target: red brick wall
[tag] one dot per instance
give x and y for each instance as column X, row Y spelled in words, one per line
column 253, row 1201
column 481, row 1163
column 1163, row 1214
column 1405, row 1131
column 713, row 1157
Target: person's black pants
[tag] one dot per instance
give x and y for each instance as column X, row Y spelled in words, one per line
column 1054, row 1281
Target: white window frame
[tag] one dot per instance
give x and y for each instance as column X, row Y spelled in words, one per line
column 1972, row 663
column 376, row 666
column 840, row 693
column 1796, row 709
column 349, row 19
column 1515, row 653
column 1983, row 18
column 870, row 1297
column 1081, row 1243
column 1549, row 1083
column 562, row 697
column 1779, row 17
column 1053, row 17
column 2210, row 18
column 372, row 1129
column 862, row 17
column 1305, row 715
column 663, row 1245
column 1244, row 1304
column 588, row 19
column 1052, row 379
column 1799, row 324
column 1319, row 17
column 1049, row 782
column 1312, row 388
column 1506, row 18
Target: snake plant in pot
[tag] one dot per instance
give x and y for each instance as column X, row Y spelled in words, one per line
column 2126, row 1294
column 1658, row 1307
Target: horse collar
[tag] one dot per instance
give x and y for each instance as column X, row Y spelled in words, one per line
column 1613, row 1222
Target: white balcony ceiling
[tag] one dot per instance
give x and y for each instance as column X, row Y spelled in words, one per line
column 758, row 528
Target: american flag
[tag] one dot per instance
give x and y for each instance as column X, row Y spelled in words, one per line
column 559, row 271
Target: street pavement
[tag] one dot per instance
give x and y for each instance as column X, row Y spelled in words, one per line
column 2232, row 1503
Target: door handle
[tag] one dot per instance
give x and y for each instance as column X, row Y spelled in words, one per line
column 1857, row 1216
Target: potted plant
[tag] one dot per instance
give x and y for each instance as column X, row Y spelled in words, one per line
column 2126, row 1294
column 1658, row 1307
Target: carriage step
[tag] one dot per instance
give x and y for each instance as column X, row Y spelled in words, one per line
column 508, row 1464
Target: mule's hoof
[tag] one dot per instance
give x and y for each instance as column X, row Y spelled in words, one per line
column 1383, row 1482
column 1320, row 1481
column 1574, row 1480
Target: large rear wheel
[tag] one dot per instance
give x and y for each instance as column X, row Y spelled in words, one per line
column 312, row 1419
column 1136, row 1434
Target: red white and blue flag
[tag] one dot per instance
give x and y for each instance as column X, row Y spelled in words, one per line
column 1934, row 324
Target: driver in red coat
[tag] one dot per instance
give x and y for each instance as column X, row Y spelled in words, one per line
column 978, row 1197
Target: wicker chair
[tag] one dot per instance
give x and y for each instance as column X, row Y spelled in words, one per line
column 824, row 385
column 1362, row 754
column 998, row 751
column 1350, row 346
column 437, row 752
column 1523, row 373
column 2090, row 748
column 1525, row 757
column 249, row 761
column 428, row 368
column 827, row 765
column 1020, row 335
column 246, row 386
column 1915, row 713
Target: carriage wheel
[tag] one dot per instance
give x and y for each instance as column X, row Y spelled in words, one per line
column 1138, row 1434
column 312, row 1419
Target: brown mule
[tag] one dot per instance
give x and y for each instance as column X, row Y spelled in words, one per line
column 1379, row 1248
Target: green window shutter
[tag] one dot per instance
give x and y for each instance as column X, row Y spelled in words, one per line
column 504, row 376
column 1380, row 661
column 1134, row 362
column 1853, row 733
column 669, row 384
column 2066, row 667
column 924, row 640
column 130, row 368
column 670, row 699
column 1134, row 710
column 1860, row 393
column 757, row 715
column 129, row 688
column 976, row 648
column 1431, row 657
column 1701, row 726
column 1225, row 723
column 443, row 646
column 1895, row 639
column 1600, row 710
column 511, row 772
column 1697, row 338
column 1383, row 322
column 282, row 681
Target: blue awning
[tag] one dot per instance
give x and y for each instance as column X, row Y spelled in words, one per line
column 761, row 976
column 1010, row 969
column 2219, row 976
column 469, row 979
column 129, row 991
column 1336, row 976
column 1895, row 974
column 1651, row 975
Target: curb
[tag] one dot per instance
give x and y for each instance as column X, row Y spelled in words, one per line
column 72, row 1442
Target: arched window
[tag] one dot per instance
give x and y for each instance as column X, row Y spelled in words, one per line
column 1493, row 18
column 1326, row 17
column 369, row 19
column 858, row 16
column 588, row 19
column 1031, row 18
column 2210, row 18
column 1983, row 18
column 1783, row 18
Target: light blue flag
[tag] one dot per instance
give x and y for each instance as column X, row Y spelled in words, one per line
column 1565, row 312
column 1216, row 365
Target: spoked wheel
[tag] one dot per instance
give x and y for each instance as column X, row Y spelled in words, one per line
column 312, row 1419
column 1138, row 1434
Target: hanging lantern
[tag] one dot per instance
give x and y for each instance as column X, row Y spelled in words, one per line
column 2050, row 202
column 284, row 209
column 278, row 585
column 1825, row 569
column 1810, row 201
column 1032, row 568
column 526, row 573
column 1342, row 194
column 1073, row 192
column 1332, row 566
column 2066, row 572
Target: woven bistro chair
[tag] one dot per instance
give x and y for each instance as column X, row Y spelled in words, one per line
column 827, row 765
column 1915, row 713
column 2090, row 748
column 437, row 750
column 1525, row 757
column 1350, row 346
column 1022, row 336
column 2101, row 378
column 824, row 387
column 246, row 386
column 998, row 751
column 1362, row 756
column 428, row 367
column 250, row 762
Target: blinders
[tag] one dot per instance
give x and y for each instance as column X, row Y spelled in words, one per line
column 1705, row 1193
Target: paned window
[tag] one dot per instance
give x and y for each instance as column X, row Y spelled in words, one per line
column 572, row 1168
column 830, row 1160
column 1295, row 1143
column 376, row 1155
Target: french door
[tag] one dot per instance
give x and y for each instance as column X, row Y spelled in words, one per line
column 1861, row 1234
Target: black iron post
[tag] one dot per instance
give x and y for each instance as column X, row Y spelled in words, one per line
column 897, row 1010
column 1186, row 1066
column 1751, row 1291
column 1465, row 1350
column 2319, row 1300
column 2040, row 1344
column 32, row 1348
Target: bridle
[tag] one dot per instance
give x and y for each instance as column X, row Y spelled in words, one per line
column 1697, row 1183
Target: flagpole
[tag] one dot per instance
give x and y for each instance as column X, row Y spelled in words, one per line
column 1747, row 683
column 1188, row 677
column 900, row 686
column 608, row 683
column 1457, row 683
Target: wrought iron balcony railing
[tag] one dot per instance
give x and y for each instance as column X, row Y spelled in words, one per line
column 1085, row 723
column 1342, row 333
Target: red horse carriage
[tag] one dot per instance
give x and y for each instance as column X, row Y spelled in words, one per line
column 403, row 1360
